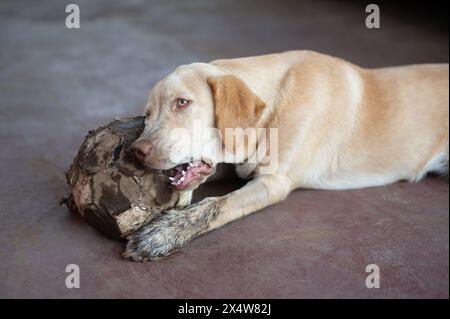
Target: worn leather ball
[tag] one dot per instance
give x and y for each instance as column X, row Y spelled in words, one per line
column 109, row 189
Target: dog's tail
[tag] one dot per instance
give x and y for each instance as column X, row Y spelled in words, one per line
column 438, row 165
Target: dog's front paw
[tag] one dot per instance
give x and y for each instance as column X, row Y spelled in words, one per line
column 172, row 230
column 155, row 240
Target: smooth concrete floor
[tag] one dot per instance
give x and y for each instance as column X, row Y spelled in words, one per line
column 56, row 84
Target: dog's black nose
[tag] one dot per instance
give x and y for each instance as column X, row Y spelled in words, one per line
column 141, row 150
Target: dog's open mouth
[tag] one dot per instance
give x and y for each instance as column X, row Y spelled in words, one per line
column 182, row 175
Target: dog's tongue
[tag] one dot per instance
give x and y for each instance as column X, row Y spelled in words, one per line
column 186, row 173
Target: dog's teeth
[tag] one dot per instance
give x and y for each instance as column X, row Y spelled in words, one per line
column 183, row 173
column 171, row 178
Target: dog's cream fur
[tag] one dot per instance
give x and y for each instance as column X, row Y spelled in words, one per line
column 339, row 126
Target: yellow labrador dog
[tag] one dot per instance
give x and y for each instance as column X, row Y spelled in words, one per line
column 335, row 125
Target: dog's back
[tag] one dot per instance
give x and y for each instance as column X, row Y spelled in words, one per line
column 353, row 127
column 407, row 108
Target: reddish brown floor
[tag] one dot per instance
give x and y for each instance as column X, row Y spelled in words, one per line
column 56, row 84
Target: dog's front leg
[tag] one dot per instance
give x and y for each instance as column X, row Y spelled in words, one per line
column 173, row 229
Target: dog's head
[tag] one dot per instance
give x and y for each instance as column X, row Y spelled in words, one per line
column 187, row 116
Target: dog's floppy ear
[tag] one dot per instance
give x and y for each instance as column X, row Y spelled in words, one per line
column 235, row 105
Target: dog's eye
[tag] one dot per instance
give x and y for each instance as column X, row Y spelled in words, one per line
column 181, row 103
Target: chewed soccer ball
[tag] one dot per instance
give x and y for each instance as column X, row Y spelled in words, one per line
column 109, row 189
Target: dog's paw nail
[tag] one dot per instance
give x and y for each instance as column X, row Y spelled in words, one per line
column 128, row 254
column 131, row 252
